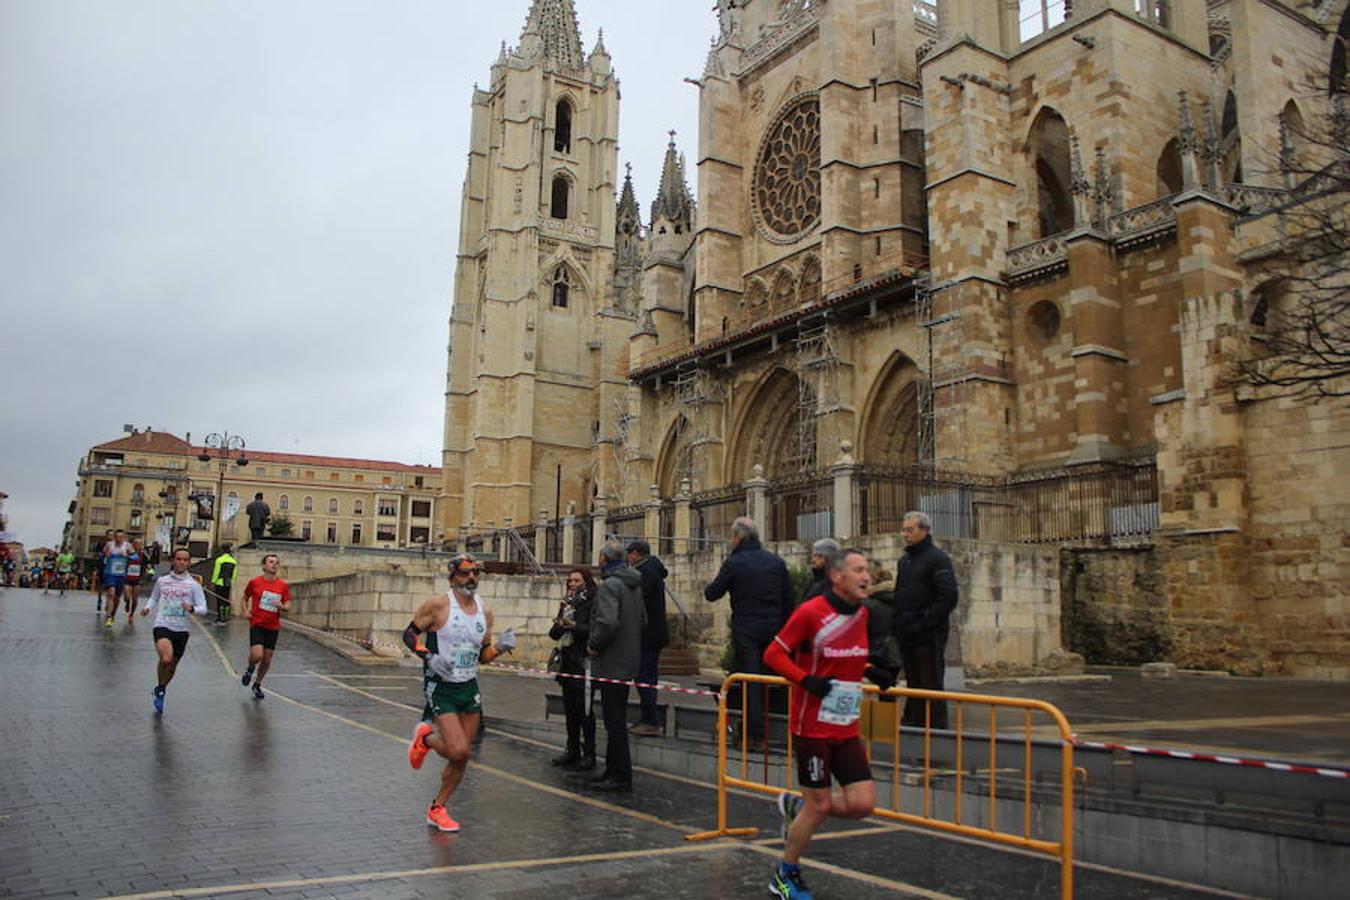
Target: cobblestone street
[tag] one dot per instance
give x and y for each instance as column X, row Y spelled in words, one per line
column 308, row 793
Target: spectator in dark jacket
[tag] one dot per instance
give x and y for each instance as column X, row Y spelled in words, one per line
column 654, row 636
column 925, row 596
column 615, row 648
column 761, row 601
column 823, row 552
column 571, row 629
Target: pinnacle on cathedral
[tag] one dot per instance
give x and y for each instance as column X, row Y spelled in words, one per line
column 554, row 25
column 629, row 216
column 673, row 199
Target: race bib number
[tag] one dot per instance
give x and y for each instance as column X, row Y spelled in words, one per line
column 270, row 601
column 133, row 571
column 466, row 662
column 117, row 566
column 840, row 706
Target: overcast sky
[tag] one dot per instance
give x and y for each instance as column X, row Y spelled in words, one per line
column 242, row 215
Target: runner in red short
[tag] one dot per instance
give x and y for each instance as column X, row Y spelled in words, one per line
column 267, row 597
column 823, row 650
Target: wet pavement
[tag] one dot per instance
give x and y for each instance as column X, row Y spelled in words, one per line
column 308, row 793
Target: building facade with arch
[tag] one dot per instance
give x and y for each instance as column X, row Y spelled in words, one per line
column 923, row 237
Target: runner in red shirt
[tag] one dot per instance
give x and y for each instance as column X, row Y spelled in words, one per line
column 823, row 650
column 267, row 597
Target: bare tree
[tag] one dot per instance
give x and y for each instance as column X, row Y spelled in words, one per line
column 1301, row 313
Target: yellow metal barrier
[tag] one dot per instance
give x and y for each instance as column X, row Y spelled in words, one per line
column 882, row 725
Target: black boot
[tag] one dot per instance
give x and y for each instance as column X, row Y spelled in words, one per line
column 566, row 760
column 585, row 764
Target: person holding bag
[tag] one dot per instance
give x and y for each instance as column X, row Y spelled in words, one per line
column 570, row 629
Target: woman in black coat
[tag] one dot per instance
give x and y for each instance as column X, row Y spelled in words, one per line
column 571, row 628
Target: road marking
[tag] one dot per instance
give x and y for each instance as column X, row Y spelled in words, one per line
column 363, row 692
column 875, row 880
column 220, row 654
column 470, row 868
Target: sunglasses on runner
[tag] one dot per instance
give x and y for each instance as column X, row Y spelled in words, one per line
column 466, row 568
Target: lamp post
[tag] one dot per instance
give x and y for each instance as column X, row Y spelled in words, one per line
column 222, row 447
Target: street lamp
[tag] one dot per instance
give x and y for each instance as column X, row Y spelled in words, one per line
column 222, row 447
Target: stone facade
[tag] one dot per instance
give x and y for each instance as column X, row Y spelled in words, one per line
column 990, row 243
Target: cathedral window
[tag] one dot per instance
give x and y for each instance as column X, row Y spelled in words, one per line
column 1230, row 144
column 562, row 128
column 1043, row 320
column 1049, row 146
column 1169, row 170
column 1158, row 12
column 787, row 176
column 562, row 287
column 561, row 188
column 1337, row 82
column 1037, row 16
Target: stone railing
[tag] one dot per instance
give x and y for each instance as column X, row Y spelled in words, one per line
column 1142, row 221
column 1252, row 200
column 567, row 230
column 1037, row 257
column 797, row 24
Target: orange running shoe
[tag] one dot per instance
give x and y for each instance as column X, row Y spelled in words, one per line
column 418, row 749
column 437, row 816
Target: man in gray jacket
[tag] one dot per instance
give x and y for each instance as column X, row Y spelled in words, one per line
column 615, row 648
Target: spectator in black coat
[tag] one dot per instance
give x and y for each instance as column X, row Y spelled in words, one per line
column 571, row 629
column 654, row 636
column 925, row 596
column 761, row 601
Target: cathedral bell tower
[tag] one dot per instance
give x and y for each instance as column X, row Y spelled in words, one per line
column 534, row 286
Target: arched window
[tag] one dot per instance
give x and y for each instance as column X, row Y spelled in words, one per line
column 1049, row 146
column 358, row 508
column 1169, row 170
column 284, row 501
column 309, row 504
column 562, row 128
column 1293, row 140
column 138, row 493
column 1337, row 85
column 1230, row 143
column 562, row 287
column 332, row 506
column 561, row 188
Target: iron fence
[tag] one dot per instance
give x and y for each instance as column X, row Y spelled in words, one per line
column 1090, row 502
column 801, row 506
column 627, row 522
column 711, row 514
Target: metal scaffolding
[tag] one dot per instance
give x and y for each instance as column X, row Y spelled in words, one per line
column 697, row 392
column 937, row 315
column 817, row 389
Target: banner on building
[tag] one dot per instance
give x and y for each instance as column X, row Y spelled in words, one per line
column 163, row 535
column 205, row 506
column 231, row 508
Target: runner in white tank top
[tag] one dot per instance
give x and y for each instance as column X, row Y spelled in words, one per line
column 458, row 626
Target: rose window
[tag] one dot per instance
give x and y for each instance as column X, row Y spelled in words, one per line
column 787, row 175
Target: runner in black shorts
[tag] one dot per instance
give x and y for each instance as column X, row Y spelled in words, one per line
column 266, row 597
column 823, row 650
column 177, row 594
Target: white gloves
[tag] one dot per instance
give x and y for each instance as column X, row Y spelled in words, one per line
column 507, row 641
column 440, row 666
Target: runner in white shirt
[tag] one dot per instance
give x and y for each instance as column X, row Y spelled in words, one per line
column 177, row 594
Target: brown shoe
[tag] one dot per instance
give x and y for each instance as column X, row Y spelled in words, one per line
column 642, row 729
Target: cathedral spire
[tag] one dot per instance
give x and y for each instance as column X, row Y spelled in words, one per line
column 673, row 200
column 552, row 25
column 628, row 210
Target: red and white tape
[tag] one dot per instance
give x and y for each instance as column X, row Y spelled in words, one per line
column 1324, row 771
column 669, row 688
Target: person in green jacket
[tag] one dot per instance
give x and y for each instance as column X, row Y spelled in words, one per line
column 222, row 577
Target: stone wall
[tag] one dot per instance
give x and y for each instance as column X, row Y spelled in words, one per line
column 1114, row 610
